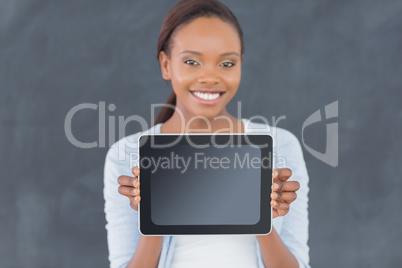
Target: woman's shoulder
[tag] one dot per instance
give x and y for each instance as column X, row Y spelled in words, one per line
column 126, row 149
column 288, row 151
column 281, row 137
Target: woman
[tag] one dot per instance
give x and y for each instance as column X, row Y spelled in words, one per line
column 200, row 50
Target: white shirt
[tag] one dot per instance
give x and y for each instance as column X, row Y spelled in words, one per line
column 122, row 221
column 200, row 251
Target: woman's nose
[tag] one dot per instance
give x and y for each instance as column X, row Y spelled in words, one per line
column 209, row 76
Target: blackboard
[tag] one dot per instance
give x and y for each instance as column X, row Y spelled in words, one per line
column 55, row 55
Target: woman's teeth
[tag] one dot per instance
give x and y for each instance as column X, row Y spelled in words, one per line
column 207, row 96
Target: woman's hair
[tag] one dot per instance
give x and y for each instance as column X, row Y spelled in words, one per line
column 181, row 14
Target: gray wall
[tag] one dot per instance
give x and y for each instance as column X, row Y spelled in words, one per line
column 300, row 56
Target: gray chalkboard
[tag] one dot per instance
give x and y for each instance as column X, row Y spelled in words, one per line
column 300, row 56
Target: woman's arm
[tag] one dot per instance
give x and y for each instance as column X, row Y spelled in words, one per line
column 149, row 248
column 147, row 253
column 125, row 244
column 274, row 252
column 288, row 243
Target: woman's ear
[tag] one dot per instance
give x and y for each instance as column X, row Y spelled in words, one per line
column 164, row 62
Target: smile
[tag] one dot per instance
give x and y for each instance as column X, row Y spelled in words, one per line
column 207, row 98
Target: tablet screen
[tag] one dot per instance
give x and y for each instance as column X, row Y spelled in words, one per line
column 205, row 183
column 206, row 186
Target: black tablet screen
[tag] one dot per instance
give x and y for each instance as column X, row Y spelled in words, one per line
column 205, row 186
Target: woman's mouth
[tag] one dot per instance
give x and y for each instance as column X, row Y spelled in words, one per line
column 207, row 98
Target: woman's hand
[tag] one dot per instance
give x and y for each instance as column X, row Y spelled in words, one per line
column 130, row 187
column 283, row 191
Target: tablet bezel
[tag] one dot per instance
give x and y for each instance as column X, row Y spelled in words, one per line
column 147, row 228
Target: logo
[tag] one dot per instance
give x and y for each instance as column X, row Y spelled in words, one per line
column 331, row 154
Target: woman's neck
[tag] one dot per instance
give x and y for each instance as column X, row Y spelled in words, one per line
column 223, row 123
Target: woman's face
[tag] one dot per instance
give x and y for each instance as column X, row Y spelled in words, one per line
column 205, row 54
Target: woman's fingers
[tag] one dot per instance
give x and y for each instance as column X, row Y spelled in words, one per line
column 129, row 191
column 288, row 186
column 134, row 201
column 280, row 206
column 129, row 186
column 136, row 171
column 288, row 197
column 128, row 181
column 282, row 174
column 283, row 191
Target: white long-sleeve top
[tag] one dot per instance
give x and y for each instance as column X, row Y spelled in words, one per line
column 122, row 221
column 215, row 251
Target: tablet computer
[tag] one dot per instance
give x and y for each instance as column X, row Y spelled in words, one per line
column 209, row 183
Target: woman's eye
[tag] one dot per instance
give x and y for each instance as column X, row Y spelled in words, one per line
column 230, row 64
column 193, row 62
column 190, row 61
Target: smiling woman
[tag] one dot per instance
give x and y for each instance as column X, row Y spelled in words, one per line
column 204, row 67
column 200, row 51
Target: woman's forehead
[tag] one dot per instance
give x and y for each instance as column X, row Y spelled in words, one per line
column 207, row 34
